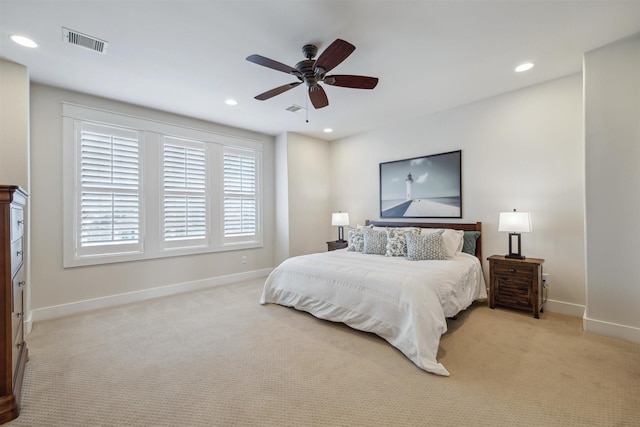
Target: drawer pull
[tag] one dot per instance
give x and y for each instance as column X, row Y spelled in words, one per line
column 512, row 270
column 21, row 283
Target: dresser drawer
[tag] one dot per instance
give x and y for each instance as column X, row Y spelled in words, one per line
column 16, row 353
column 16, row 255
column 511, row 269
column 17, row 301
column 17, row 223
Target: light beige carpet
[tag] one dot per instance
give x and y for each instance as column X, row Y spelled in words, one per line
column 219, row 358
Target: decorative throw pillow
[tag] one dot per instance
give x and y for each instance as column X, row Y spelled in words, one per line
column 452, row 240
column 375, row 241
column 396, row 242
column 355, row 238
column 469, row 245
column 425, row 247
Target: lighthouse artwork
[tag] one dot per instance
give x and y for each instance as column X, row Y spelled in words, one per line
column 409, row 181
column 431, row 188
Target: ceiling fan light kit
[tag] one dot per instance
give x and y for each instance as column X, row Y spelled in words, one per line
column 313, row 72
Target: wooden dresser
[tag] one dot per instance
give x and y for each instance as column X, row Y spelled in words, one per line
column 516, row 283
column 13, row 349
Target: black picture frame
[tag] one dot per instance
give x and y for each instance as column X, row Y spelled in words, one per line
column 422, row 187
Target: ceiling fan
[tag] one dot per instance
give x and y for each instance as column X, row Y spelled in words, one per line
column 312, row 72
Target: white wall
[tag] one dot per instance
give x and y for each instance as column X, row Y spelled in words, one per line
column 612, row 117
column 309, row 208
column 57, row 291
column 281, row 249
column 14, row 124
column 15, row 146
column 523, row 150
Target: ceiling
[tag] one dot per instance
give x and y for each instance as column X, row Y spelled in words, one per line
column 188, row 57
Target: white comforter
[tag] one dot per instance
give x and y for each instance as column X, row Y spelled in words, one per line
column 404, row 302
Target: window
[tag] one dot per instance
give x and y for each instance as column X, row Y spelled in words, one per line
column 138, row 188
column 184, row 192
column 109, row 196
column 240, row 196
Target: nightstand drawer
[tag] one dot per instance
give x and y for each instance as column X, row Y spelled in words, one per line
column 332, row 246
column 525, row 271
column 513, row 291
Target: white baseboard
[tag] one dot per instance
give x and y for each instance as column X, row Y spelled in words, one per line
column 614, row 330
column 564, row 308
column 598, row 327
column 62, row 310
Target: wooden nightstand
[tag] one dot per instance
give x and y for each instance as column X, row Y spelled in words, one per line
column 333, row 245
column 516, row 283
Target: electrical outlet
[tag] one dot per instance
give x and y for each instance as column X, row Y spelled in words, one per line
column 545, row 279
column 244, row 259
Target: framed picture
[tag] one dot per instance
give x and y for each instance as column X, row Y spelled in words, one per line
column 422, row 187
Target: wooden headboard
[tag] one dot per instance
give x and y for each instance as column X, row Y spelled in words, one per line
column 475, row 226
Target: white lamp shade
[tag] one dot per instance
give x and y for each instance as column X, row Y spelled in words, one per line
column 340, row 218
column 515, row 222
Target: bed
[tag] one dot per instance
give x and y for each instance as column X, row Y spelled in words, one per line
column 405, row 299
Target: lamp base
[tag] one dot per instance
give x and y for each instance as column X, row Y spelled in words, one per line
column 513, row 254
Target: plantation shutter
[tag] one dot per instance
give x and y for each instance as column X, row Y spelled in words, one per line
column 240, row 196
column 109, row 196
column 184, row 187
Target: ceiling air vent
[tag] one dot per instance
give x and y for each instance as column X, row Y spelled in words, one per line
column 84, row 40
column 294, row 108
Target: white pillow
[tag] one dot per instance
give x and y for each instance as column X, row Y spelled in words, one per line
column 452, row 240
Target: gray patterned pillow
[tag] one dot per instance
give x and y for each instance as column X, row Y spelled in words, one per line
column 375, row 241
column 427, row 247
column 396, row 242
column 356, row 239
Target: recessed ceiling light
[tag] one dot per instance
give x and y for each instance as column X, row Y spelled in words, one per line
column 24, row 41
column 231, row 102
column 524, row 67
column 328, row 130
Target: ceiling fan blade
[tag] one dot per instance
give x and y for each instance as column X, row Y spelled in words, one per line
column 270, row 63
column 354, row 82
column 277, row 91
column 318, row 96
column 333, row 55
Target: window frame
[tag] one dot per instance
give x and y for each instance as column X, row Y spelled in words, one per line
column 152, row 134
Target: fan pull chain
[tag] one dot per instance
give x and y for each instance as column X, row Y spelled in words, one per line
column 306, row 99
